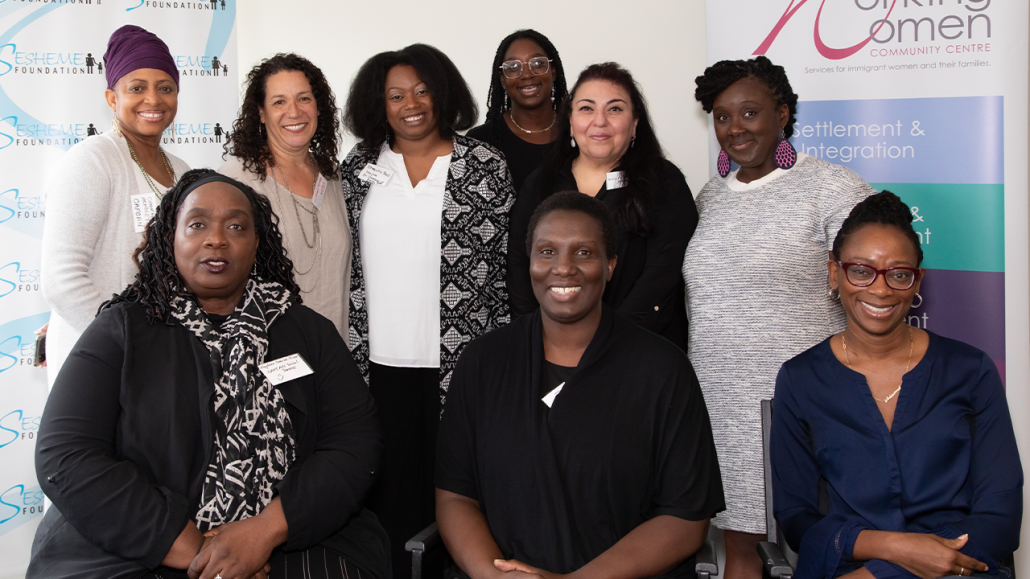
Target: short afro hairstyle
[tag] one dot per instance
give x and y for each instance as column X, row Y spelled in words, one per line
column 883, row 208
column 722, row 74
column 453, row 104
column 581, row 203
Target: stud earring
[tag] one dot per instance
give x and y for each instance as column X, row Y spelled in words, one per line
column 723, row 164
column 786, row 156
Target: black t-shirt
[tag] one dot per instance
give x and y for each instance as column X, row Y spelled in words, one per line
column 628, row 439
column 523, row 158
column 555, row 375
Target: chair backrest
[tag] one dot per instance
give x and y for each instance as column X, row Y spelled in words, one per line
column 775, row 535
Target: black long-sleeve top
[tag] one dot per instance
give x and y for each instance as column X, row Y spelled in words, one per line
column 647, row 285
column 127, row 435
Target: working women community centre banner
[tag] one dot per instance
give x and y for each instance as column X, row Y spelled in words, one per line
column 51, row 97
column 926, row 98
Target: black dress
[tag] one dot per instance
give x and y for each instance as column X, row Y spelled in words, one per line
column 523, row 158
column 626, row 440
column 647, row 286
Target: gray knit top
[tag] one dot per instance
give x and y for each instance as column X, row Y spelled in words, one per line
column 757, row 288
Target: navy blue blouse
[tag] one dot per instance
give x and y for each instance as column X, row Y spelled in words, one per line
column 949, row 465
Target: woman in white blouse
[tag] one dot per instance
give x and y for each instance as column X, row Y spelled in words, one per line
column 429, row 219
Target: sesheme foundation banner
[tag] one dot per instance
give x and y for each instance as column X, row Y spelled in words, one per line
column 51, row 98
column 926, row 98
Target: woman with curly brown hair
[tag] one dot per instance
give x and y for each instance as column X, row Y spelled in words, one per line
column 284, row 145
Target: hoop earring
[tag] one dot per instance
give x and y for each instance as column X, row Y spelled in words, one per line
column 916, row 306
column 834, row 295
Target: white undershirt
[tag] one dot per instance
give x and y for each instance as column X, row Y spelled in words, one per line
column 399, row 234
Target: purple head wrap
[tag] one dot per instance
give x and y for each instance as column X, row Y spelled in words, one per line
column 132, row 48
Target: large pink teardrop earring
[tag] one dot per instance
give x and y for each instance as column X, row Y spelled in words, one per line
column 786, row 156
column 723, row 164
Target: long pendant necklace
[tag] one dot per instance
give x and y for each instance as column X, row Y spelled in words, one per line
column 316, row 240
column 911, row 345
column 554, row 117
column 150, row 181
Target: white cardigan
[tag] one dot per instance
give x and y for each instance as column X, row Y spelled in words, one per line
column 89, row 236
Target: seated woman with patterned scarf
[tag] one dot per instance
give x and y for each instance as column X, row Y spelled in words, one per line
column 208, row 424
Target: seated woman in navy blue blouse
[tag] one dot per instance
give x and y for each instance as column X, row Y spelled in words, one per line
column 909, row 429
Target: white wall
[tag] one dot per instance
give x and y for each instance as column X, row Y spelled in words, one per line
column 661, row 42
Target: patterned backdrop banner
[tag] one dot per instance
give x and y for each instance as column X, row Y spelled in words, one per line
column 913, row 96
column 51, row 97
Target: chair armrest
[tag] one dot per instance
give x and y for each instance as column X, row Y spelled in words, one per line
column 426, row 540
column 776, row 564
column 705, row 563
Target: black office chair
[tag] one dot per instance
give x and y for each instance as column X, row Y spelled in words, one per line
column 776, row 554
column 427, row 545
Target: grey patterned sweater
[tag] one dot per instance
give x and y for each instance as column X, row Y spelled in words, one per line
column 757, row 287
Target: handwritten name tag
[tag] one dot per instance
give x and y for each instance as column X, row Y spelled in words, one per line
column 144, row 206
column 375, row 174
column 616, row 180
column 319, row 193
column 285, row 369
column 549, row 398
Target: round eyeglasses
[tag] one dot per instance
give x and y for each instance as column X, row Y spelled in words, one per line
column 862, row 275
column 537, row 65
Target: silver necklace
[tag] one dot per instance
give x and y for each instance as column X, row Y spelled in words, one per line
column 316, row 242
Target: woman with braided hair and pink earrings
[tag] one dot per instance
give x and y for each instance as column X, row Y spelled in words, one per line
column 771, row 214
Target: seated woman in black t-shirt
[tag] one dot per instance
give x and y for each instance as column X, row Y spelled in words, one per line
column 574, row 441
column 527, row 85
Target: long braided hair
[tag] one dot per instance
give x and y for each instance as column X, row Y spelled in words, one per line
column 158, row 281
column 495, row 96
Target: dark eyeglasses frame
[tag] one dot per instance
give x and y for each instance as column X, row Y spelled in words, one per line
column 844, row 265
column 525, row 67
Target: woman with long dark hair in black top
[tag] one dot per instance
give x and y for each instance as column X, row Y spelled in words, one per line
column 607, row 148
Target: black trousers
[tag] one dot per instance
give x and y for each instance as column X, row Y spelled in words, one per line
column 403, row 497
column 315, row 563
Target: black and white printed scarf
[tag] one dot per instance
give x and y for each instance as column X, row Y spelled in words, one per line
column 254, row 439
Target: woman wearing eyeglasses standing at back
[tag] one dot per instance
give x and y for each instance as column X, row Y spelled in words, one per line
column 753, row 293
column 527, row 84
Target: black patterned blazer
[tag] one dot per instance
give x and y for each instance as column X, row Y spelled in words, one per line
column 473, row 242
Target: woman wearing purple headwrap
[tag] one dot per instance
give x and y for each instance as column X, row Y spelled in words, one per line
column 104, row 191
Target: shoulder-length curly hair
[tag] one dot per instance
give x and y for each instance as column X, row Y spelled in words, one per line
column 641, row 162
column 453, row 104
column 722, row 74
column 246, row 140
column 158, row 281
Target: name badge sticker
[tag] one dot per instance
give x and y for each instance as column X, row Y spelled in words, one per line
column 144, row 206
column 375, row 174
column 285, row 369
column 616, row 180
column 318, row 197
column 549, row 398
